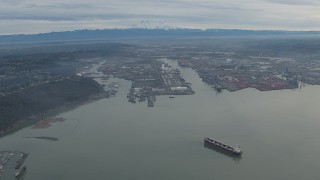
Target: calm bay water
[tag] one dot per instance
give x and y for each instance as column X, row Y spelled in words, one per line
column 113, row 139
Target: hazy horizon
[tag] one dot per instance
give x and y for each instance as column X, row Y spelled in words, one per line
column 34, row 16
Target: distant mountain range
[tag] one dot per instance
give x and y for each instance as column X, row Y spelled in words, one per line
column 107, row 34
column 145, row 24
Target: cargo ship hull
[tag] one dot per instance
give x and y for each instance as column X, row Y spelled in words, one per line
column 221, row 147
column 20, row 175
column 21, row 160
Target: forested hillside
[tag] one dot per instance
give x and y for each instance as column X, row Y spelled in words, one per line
column 41, row 98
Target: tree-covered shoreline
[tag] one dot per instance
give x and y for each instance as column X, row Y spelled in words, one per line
column 39, row 99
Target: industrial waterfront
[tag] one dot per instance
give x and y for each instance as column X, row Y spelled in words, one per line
column 113, row 139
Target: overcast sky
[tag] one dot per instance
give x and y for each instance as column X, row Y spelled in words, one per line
column 36, row 16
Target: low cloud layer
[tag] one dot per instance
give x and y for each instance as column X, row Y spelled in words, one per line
column 35, row 16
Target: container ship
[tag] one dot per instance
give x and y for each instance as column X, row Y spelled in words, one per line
column 222, row 147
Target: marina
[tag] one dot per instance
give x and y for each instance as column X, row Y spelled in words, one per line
column 10, row 165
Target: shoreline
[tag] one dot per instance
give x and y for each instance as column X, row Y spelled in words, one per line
column 28, row 121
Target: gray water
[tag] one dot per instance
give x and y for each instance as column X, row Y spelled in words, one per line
column 113, row 139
